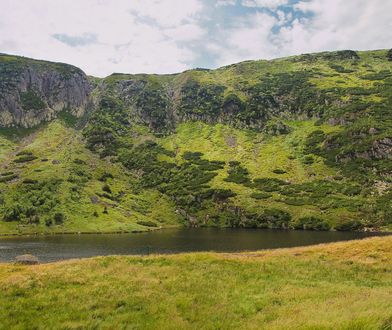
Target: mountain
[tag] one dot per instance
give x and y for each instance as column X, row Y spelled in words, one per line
column 303, row 142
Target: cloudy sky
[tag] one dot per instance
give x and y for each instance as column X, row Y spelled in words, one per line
column 165, row 36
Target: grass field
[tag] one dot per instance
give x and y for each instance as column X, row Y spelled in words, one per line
column 332, row 286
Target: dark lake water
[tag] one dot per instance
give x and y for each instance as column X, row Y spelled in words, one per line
column 58, row 247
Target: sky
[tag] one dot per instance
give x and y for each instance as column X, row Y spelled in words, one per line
column 167, row 36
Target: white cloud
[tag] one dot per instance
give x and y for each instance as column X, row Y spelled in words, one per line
column 220, row 3
column 249, row 39
column 339, row 24
column 100, row 37
column 272, row 4
column 160, row 36
column 322, row 25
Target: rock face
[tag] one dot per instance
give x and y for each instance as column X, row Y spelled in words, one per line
column 27, row 259
column 33, row 91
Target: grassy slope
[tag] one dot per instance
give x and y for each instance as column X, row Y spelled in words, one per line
column 259, row 153
column 333, row 286
column 59, row 143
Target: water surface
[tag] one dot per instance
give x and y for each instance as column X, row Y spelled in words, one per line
column 59, row 247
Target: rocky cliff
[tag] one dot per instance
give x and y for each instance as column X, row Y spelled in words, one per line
column 34, row 91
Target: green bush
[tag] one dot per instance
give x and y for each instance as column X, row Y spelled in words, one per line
column 311, row 223
column 147, row 223
column 13, row 213
column 107, row 188
column 58, row 218
column 8, row 178
column 350, row 225
column 79, row 161
column 24, row 159
column 389, row 55
column 308, row 160
column 192, row 156
column 279, row 171
column 260, row 195
column 269, row 184
column 31, row 101
column 24, row 153
column 105, row 176
column 269, row 218
column 29, row 181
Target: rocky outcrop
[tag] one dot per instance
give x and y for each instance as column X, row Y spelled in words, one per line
column 380, row 149
column 32, row 91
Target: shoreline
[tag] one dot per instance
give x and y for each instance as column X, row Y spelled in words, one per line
column 224, row 254
column 377, row 232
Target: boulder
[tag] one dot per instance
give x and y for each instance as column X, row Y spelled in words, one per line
column 27, row 259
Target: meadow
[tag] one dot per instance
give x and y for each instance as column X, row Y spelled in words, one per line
column 344, row 285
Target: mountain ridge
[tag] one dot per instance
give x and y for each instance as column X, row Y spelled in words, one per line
column 302, row 142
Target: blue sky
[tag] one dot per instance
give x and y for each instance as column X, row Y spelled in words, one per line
column 166, row 36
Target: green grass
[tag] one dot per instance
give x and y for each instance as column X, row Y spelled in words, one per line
column 56, row 148
column 332, row 286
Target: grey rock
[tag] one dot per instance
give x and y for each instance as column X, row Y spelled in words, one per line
column 57, row 86
column 27, row 259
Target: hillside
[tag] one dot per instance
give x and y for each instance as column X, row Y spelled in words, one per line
column 332, row 286
column 303, row 142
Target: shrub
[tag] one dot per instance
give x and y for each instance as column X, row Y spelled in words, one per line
column 350, row 225
column 237, row 174
column 352, row 190
column 31, row 101
column 24, row 159
column 106, row 176
column 8, row 178
column 29, row 181
column 147, row 223
column 311, row 223
column 79, row 161
column 222, row 194
column 192, row 156
column 279, row 171
column 260, row 195
column 13, row 213
column 268, row 184
column 6, row 173
column 308, row 160
column 389, row 55
column 269, row 218
column 106, row 188
column 277, row 218
column 59, row 218
column 24, row 153
column 48, row 222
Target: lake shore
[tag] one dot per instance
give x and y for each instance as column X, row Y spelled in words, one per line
column 27, row 234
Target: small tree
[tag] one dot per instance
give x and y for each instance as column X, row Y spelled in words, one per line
column 58, row 218
column 106, row 188
column 389, row 55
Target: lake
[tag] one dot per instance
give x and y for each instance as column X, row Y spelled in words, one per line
column 60, row 247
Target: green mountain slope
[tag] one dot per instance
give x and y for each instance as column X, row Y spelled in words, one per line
column 303, row 142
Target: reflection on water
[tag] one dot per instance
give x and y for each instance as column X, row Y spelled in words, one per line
column 57, row 247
